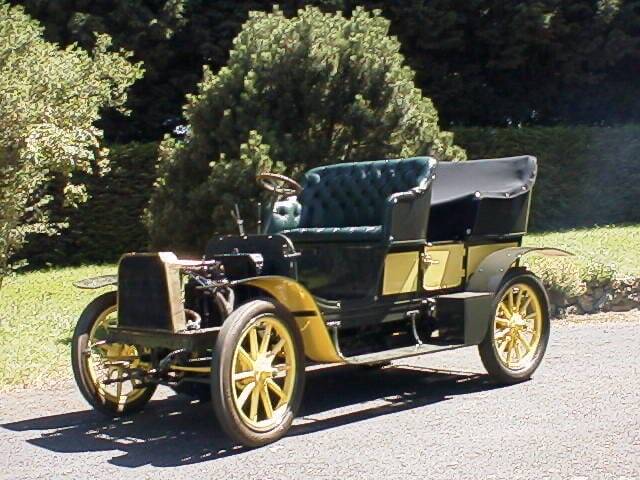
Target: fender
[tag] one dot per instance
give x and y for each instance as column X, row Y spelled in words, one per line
column 96, row 282
column 318, row 345
column 489, row 276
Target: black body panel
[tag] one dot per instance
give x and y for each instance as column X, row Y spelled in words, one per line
column 481, row 199
column 341, row 271
column 144, row 293
column 278, row 254
column 191, row 340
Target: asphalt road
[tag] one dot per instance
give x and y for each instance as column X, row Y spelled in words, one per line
column 434, row 417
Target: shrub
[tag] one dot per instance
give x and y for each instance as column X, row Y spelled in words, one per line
column 50, row 99
column 296, row 93
column 110, row 222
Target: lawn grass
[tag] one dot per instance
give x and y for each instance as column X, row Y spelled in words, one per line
column 38, row 310
column 615, row 246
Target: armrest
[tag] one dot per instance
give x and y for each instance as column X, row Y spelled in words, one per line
column 407, row 214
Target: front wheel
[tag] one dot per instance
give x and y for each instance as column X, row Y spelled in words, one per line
column 100, row 368
column 257, row 373
column 517, row 337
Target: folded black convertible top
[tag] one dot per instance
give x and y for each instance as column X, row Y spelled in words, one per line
column 488, row 178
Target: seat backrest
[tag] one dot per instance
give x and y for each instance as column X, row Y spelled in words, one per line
column 355, row 194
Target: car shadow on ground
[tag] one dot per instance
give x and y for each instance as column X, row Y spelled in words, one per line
column 178, row 431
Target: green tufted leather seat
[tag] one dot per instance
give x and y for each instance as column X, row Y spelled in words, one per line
column 379, row 201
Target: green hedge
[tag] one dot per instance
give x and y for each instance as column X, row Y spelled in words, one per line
column 109, row 223
column 586, row 176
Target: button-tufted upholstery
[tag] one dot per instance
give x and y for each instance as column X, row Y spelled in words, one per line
column 355, row 201
column 285, row 215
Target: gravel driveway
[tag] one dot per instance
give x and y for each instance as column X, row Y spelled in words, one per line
column 431, row 417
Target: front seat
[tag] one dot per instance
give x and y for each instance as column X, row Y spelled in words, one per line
column 381, row 201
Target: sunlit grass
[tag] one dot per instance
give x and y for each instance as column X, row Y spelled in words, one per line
column 617, row 246
column 38, row 311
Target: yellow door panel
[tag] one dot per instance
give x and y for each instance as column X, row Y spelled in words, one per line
column 400, row 273
column 445, row 266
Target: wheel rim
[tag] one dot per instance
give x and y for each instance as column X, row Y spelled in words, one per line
column 518, row 327
column 263, row 373
column 110, row 361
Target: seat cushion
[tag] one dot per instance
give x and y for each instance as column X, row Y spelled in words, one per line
column 355, row 194
column 337, row 234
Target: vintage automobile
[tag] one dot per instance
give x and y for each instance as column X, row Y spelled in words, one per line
column 361, row 263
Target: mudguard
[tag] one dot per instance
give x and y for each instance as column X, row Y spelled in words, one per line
column 318, row 345
column 96, row 282
column 489, row 276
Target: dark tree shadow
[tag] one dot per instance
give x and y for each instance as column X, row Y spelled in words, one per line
column 179, row 431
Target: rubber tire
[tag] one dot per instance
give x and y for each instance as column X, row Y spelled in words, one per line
column 221, row 365
column 487, row 349
column 79, row 343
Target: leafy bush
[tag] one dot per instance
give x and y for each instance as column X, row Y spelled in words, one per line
column 110, row 222
column 296, row 93
column 50, row 99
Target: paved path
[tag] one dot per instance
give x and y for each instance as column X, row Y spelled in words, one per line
column 434, row 417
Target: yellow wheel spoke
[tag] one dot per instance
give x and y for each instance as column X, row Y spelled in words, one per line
column 253, row 409
column 505, row 309
column 119, row 384
column 276, row 348
column 510, row 299
column 280, row 371
column 245, row 358
column 266, row 401
column 242, row 399
column 527, row 302
column 266, row 337
column 275, row 388
column 516, row 349
column 525, row 343
column 243, row 375
column 504, row 344
column 502, row 322
column 253, row 343
column 518, row 300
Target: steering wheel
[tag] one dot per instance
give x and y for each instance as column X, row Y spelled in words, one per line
column 280, row 184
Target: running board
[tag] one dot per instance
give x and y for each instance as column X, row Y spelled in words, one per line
column 396, row 353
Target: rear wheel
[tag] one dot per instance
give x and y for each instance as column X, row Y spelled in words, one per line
column 517, row 338
column 257, row 373
column 95, row 361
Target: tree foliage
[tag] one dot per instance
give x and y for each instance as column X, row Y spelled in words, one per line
column 50, row 99
column 314, row 89
column 483, row 62
column 542, row 62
